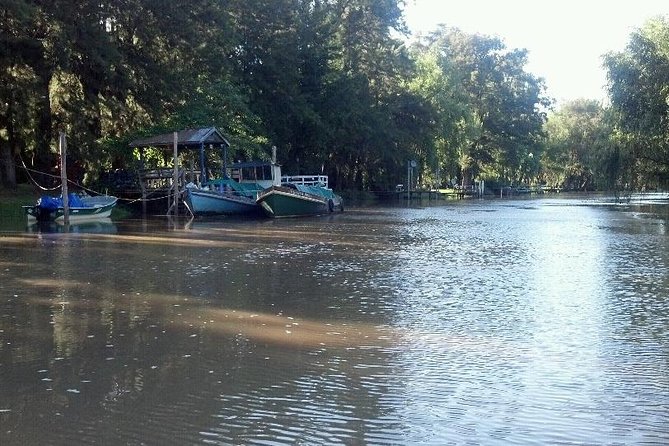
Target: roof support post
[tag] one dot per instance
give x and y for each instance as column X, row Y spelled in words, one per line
column 225, row 161
column 175, row 180
column 203, row 169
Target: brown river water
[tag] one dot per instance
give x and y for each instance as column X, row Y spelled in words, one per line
column 539, row 321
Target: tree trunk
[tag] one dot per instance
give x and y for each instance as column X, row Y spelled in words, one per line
column 7, row 167
column 44, row 132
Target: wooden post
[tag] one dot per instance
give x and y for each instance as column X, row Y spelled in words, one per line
column 176, row 175
column 203, row 168
column 142, row 181
column 62, row 143
column 225, row 161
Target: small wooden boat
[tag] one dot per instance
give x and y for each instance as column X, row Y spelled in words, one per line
column 300, row 196
column 81, row 208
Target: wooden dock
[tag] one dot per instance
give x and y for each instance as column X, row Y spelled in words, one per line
column 438, row 194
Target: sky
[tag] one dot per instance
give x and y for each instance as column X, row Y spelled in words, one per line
column 566, row 39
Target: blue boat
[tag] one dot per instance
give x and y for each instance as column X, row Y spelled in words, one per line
column 236, row 194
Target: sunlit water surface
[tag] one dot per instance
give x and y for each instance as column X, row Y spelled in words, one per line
column 476, row 322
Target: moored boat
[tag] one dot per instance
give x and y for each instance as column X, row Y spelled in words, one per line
column 234, row 195
column 300, row 196
column 81, row 208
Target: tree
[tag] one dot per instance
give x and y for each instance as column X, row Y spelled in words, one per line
column 639, row 91
column 447, row 116
column 329, row 82
column 580, row 153
column 497, row 127
column 363, row 103
column 25, row 119
column 325, row 79
column 105, row 71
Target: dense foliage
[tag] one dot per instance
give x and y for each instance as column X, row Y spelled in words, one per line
column 332, row 83
column 623, row 146
column 639, row 92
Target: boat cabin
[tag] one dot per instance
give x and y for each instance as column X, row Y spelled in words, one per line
column 265, row 174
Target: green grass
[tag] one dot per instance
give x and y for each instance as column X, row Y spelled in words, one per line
column 12, row 200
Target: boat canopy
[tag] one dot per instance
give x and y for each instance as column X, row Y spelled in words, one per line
column 52, row 203
column 314, row 190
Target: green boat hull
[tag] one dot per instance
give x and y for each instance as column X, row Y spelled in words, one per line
column 281, row 201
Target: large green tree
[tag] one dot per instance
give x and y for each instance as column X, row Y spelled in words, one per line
column 450, row 123
column 25, row 116
column 493, row 113
column 639, row 93
column 581, row 152
column 101, row 71
column 332, row 83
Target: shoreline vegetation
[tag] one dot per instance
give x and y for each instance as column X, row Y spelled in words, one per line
column 12, row 200
column 338, row 87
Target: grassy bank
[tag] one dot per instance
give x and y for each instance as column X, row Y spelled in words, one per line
column 12, row 200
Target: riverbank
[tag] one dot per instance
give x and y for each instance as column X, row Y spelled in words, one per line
column 12, row 200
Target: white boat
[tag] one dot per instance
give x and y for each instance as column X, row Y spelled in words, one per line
column 81, row 208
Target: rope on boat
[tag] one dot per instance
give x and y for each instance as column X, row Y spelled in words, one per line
column 74, row 183
column 28, row 170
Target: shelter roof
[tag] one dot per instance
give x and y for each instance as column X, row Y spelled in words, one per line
column 191, row 138
column 246, row 164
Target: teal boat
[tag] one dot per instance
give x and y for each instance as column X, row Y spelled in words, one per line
column 236, row 194
column 300, row 196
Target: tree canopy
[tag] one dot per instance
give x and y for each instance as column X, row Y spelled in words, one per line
column 639, row 92
column 334, row 84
